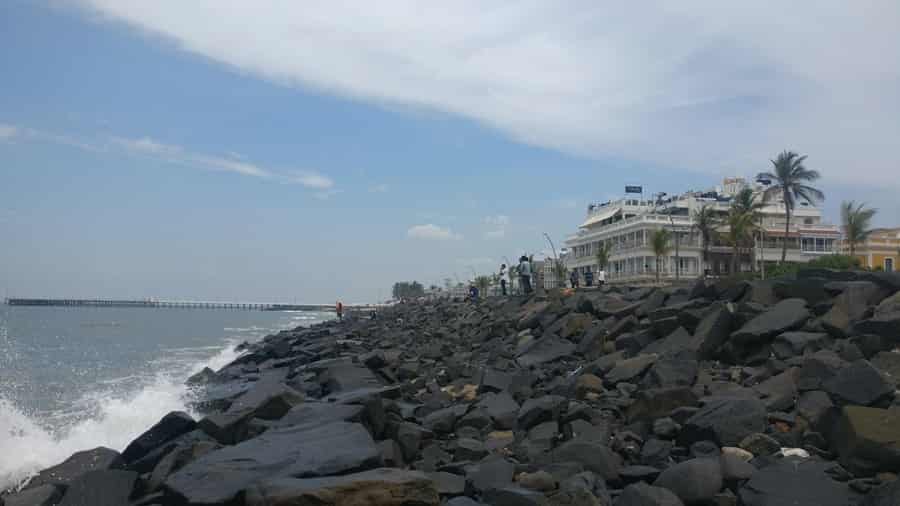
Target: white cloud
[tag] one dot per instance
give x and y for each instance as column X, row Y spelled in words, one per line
column 7, row 131
column 432, row 232
column 379, row 188
column 701, row 84
column 497, row 226
column 179, row 155
column 327, row 194
column 312, row 180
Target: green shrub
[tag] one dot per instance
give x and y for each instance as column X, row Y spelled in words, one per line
column 837, row 262
column 786, row 269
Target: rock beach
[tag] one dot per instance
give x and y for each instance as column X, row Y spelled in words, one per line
column 615, row 397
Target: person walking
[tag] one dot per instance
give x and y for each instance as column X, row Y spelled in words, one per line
column 339, row 308
column 503, row 279
column 525, row 274
column 573, row 278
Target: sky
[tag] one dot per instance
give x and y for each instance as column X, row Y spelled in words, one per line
column 314, row 151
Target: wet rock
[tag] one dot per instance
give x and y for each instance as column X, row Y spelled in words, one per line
column 319, row 451
column 377, row 487
column 98, row 459
column 100, row 488
column 789, row 314
column 641, row 494
column 694, row 481
column 867, row 440
column 725, row 421
column 858, row 383
column 170, row 427
column 203, row 377
column 795, row 481
column 149, row 461
column 44, row 495
column 267, row 400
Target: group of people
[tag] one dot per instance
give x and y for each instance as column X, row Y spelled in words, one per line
column 523, row 270
column 588, row 278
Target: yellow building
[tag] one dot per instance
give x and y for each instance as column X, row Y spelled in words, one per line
column 881, row 249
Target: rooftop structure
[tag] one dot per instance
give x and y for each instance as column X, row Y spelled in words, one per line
column 627, row 225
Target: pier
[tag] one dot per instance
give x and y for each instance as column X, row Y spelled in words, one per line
column 183, row 304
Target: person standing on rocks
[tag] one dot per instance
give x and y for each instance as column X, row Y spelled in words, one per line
column 525, row 274
column 503, row 279
column 339, row 308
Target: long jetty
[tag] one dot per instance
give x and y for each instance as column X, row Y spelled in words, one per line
column 186, row 304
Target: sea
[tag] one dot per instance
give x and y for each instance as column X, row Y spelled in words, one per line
column 74, row 378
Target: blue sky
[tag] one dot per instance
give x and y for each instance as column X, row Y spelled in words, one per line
column 281, row 152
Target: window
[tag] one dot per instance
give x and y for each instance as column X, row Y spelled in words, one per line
column 889, row 264
column 807, row 221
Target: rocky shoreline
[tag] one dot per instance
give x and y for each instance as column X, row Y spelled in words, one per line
column 762, row 393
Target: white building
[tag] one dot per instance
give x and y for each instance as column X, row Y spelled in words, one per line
column 627, row 225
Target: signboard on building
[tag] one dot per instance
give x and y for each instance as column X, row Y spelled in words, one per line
column 634, row 189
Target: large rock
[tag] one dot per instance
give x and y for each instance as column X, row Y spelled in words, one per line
column 319, row 451
column 312, row 414
column 659, row 402
column 812, row 290
column 888, row 362
column 859, row 383
column 491, row 473
column 377, row 487
column 795, row 481
column 867, row 440
column 546, row 349
column 629, row 369
column 542, row 409
column 694, row 481
column 713, row 330
column 885, row 495
column 149, row 461
column 45, row 495
column 595, row 457
column 98, row 459
column 100, row 488
column 515, row 496
column 779, row 391
column 170, row 427
column 789, row 314
column 267, row 400
column 725, row 420
column 672, row 372
column 502, row 409
column 850, row 306
column 885, row 322
column 641, row 494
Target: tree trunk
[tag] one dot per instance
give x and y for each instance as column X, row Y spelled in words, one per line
column 657, row 270
column 734, row 259
column 852, row 248
column 787, row 229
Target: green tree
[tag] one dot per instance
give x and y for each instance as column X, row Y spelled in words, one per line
column 602, row 256
column 705, row 221
column 856, row 220
column 483, row 283
column 407, row 290
column 742, row 220
column 789, row 180
column 660, row 242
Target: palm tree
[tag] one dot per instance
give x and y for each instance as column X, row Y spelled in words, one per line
column 705, row 221
column 602, row 256
column 749, row 209
column 659, row 241
column 856, row 220
column 790, row 177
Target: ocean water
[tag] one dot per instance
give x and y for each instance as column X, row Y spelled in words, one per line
column 76, row 378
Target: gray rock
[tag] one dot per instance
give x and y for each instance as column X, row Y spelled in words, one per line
column 542, row 409
column 793, row 344
column 319, row 451
column 789, row 314
column 694, row 481
column 629, row 369
column 100, row 488
column 149, row 461
column 725, row 421
column 495, row 381
column 867, row 440
column 735, row 469
column 760, row 445
column 444, row 420
column 659, row 402
column 859, row 383
column 502, row 409
column 885, row 495
column 814, row 406
column 812, row 290
column 641, row 494
column 377, row 487
column 794, row 481
column 97, row 459
column 448, row 483
column 312, row 414
column 546, row 349
column 778, row 392
column 491, row 473
column 594, row 457
column 851, row 305
column 672, row 372
column 515, row 496
column 170, row 427
column 713, row 330
column 888, row 362
column 44, row 495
